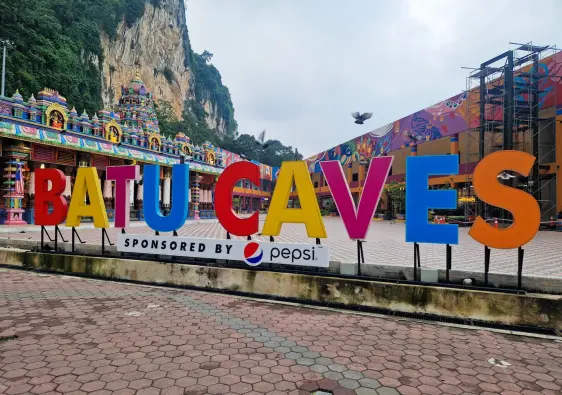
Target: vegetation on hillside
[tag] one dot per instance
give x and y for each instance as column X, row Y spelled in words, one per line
column 57, row 45
column 194, row 126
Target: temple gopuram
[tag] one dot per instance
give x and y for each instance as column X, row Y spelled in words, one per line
column 44, row 133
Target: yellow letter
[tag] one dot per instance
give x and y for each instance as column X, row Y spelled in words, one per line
column 308, row 214
column 87, row 182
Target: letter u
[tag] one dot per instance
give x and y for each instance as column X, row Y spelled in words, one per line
column 178, row 214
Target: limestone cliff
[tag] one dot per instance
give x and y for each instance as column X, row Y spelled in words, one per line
column 158, row 46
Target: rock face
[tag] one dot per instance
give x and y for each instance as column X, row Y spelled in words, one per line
column 158, row 46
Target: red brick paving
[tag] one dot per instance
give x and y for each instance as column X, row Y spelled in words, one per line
column 78, row 336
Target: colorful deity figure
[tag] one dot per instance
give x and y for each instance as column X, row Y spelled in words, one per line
column 113, row 134
column 56, row 120
column 154, row 144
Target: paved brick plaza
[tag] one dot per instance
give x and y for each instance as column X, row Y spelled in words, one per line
column 385, row 245
column 78, row 336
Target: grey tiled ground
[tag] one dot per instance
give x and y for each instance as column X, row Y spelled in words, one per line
column 385, row 245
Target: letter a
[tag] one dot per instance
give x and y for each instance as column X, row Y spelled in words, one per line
column 87, row 184
column 308, row 214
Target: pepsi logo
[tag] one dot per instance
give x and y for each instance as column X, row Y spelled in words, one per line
column 253, row 253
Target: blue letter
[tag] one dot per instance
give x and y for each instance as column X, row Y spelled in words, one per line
column 419, row 199
column 178, row 214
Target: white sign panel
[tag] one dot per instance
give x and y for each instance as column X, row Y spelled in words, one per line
column 252, row 252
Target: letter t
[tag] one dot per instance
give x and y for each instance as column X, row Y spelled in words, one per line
column 122, row 175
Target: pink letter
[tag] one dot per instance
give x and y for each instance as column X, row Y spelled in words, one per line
column 122, row 175
column 357, row 221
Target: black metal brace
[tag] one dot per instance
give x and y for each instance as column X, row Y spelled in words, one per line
column 74, row 235
column 104, row 236
column 43, row 232
column 487, row 252
column 449, row 260
column 57, row 233
column 417, row 261
column 520, row 254
column 360, row 256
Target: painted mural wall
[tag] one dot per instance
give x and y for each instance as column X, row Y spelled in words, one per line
column 447, row 118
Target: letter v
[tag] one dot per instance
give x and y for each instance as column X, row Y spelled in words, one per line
column 357, row 220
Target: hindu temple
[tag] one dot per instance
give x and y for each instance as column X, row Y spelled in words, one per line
column 44, row 132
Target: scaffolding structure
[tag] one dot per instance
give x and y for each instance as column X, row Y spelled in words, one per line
column 506, row 97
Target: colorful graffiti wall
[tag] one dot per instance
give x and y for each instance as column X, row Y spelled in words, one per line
column 449, row 117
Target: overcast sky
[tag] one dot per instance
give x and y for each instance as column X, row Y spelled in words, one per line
column 298, row 68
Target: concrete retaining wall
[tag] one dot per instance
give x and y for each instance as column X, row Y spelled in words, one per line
column 531, row 309
column 380, row 271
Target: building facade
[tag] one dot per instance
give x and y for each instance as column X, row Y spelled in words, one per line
column 513, row 101
column 44, row 133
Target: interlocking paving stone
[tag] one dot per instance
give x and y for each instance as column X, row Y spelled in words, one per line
column 77, row 335
column 385, row 245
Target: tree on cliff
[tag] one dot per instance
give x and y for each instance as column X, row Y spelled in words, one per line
column 207, row 56
column 273, row 154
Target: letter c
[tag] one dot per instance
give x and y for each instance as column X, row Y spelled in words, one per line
column 223, row 198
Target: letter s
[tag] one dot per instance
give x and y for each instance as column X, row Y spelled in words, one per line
column 524, row 208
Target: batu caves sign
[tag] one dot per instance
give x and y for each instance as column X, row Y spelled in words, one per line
column 419, row 199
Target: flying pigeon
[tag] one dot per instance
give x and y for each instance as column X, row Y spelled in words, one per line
column 261, row 140
column 413, row 138
column 360, row 118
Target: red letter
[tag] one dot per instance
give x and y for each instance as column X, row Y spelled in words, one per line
column 43, row 197
column 223, row 198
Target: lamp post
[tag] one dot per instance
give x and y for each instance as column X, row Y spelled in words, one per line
column 6, row 44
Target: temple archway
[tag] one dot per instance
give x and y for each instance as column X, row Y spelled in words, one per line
column 186, row 149
column 56, row 117
column 154, row 142
column 211, row 158
column 113, row 132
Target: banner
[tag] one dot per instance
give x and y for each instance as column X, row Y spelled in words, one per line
column 250, row 251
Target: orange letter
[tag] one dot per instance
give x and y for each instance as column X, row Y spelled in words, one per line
column 524, row 208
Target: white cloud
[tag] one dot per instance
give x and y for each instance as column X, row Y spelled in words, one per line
column 298, row 68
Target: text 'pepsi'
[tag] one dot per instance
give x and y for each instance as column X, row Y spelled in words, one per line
column 252, row 252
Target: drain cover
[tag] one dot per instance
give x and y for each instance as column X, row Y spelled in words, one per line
column 321, row 392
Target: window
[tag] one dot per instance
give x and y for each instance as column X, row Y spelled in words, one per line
column 355, row 177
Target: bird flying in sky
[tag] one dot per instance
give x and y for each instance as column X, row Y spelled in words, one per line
column 261, row 139
column 360, row 118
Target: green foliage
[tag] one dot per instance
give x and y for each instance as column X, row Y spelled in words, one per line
column 193, row 125
column 167, row 119
column 56, row 43
column 209, row 87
